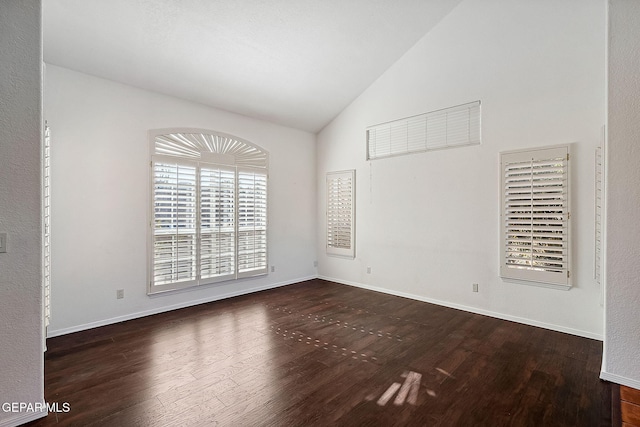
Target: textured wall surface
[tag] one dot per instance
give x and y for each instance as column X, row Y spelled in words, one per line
column 428, row 224
column 622, row 321
column 100, row 198
column 21, row 350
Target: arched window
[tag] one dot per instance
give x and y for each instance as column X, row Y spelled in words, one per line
column 208, row 209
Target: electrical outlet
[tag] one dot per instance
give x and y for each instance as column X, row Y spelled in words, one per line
column 368, row 270
column 120, row 293
column 273, row 268
column 475, row 287
column 315, row 263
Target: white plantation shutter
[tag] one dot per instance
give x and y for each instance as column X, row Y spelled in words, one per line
column 599, row 196
column 217, row 223
column 46, row 229
column 209, row 209
column 341, row 213
column 535, row 215
column 446, row 128
column 174, row 223
column 252, row 223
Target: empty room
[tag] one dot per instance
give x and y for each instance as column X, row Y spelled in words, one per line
column 293, row 213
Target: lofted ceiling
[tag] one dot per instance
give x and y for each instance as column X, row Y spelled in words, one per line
column 298, row 63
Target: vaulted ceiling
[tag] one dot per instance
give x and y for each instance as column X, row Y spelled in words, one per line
column 298, row 63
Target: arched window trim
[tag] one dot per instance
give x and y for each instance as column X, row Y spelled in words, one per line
column 208, row 209
column 195, row 144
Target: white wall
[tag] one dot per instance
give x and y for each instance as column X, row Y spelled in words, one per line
column 100, row 176
column 21, row 330
column 428, row 224
column 622, row 321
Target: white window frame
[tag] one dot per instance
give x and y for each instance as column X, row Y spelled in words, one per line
column 340, row 214
column 535, row 244
column 235, row 160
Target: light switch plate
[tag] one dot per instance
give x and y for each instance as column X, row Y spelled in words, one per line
column 3, row 242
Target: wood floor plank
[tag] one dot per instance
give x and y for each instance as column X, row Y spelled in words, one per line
column 630, row 394
column 320, row 353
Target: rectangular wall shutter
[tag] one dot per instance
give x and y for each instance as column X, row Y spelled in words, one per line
column 341, row 213
column 535, row 214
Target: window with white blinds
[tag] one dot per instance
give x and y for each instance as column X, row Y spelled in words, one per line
column 535, row 228
column 450, row 127
column 341, row 213
column 209, row 209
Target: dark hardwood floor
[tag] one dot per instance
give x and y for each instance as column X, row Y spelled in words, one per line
column 320, row 353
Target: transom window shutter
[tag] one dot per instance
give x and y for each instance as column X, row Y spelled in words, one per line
column 535, row 212
column 209, row 209
column 341, row 213
column 446, row 128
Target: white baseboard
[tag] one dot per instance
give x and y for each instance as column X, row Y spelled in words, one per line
column 531, row 322
column 620, row 380
column 22, row 418
column 57, row 332
column 523, row 320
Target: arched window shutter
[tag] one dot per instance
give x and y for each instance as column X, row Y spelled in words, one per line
column 208, row 209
